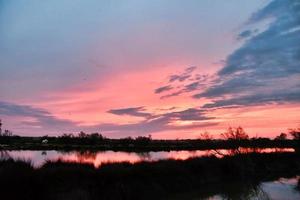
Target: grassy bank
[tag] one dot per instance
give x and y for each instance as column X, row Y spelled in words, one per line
column 147, row 180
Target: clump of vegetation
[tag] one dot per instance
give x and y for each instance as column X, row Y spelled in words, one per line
column 145, row 180
column 282, row 136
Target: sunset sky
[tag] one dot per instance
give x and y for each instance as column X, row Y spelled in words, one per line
column 169, row 68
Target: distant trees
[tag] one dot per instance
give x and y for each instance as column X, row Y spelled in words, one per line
column 235, row 134
column 142, row 140
column 67, row 135
column 295, row 133
column 282, row 136
column 97, row 138
column 206, row 136
column 6, row 133
column 66, row 138
column 82, row 134
column 126, row 141
column 90, row 138
column 81, row 138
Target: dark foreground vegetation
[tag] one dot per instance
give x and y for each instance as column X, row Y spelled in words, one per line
column 232, row 138
column 233, row 176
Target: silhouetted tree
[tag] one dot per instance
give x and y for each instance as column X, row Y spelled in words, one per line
column 0, row 126
column 67, row 135
column 142, row 140
column 7, row 133
column 82, row 134
column 205, row 136
column 295, row 133
column 126, row 141
column 235, row 134
column 96, row 136
column 282, row 136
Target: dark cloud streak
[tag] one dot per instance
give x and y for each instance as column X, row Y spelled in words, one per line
column 163, row 89
column 151, row 122
column 133, row 111
column 42, row 118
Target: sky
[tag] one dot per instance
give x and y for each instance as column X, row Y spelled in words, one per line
column 172, row 69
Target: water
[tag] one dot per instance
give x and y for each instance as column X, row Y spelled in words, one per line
column 281, row 189
column 97, row 158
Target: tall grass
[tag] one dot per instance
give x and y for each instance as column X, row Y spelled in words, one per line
column 145, row 180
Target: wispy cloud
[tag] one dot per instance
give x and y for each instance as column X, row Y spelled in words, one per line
column 187, row 81
column 161, row 122
column 150, row 124
column 183, row 76
column 266, row 68
column 172, row 120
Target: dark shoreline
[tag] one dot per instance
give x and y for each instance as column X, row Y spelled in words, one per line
column 144, row 180
column 53, row 143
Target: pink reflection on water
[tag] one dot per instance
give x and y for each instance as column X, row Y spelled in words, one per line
column 101, row 157
column 37, row 158
column 115, row 157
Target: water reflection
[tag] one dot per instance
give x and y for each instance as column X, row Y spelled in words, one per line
column 243, row 192
column 97, row 158
column 236, row 151
column 4, row 155
column 281, row 189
